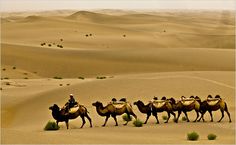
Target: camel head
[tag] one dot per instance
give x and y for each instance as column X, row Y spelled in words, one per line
column 97, row 104
column 54, row 108
column 172, row 101
column 138, row 102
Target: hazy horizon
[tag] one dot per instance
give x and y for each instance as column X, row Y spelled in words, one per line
column 43, row 5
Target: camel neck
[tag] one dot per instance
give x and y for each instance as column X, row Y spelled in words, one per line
column 101, row 110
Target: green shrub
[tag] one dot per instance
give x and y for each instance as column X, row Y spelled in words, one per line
column 82, row 78
column 101, row 77
column 192, row 136
column 57, row 77
column 184, row 118
column 51, row 125
column 8, row 83
column 127, row 118
column 164, row 117
column 138, row 123
column 211, row 136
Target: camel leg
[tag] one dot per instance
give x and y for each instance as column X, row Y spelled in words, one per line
column 148, row 115
column 202, row 117
column 135, row 116
column 90, row 120
column 179, row 112
column 57, row 123
column 186, row 115
column 227, row 111
column 197, row 116
column 168, row 113
column 83, row 120
column 211, row 115
column 222, row 115
column 114, row 116
column 155, row 115
column 106, row 120
column 174, row 116
column 67, row 124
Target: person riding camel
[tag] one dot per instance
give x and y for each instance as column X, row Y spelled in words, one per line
column 71, row 103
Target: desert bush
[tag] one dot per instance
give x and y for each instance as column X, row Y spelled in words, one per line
column 8, row 83
column 6, row 78
column 60, row 84
column 138, row 123
column 211, row 136
column 67, row 84
column 57, row 77
column 51, row 125
column 192, row 136
column 49, row 45
column 13, row 67
column 3, row 69
column 127, row 118
column 26, row 78
column 82, row 78
column 101, row 77
column 90, row 34
column 124, row 35
column 184, row 118
column 164, row 117
column 86, row 35
column 61, row 39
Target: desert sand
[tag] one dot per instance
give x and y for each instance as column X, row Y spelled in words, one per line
column 142, row 54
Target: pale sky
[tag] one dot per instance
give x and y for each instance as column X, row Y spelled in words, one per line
column 40, row 5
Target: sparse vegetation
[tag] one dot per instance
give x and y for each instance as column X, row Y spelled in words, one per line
column 86, row 35
column 61, row 39
column 138, row 123
column 60, row 46
column 101, row 77
column 6, row 78
column 90, row 34
column 211, row 136
column 57, row 77
column 25, row 73
column 42, row 44
column 124, row 35
column 82, row 78
column 192, row 136
column 67, row 84
column 3, row 69
column 35, row 72
column 127, row 118
column 164, row 117
column 51, row 125
column 8, row 83
column 60, row 84
column 26, row 78
column 13, row 67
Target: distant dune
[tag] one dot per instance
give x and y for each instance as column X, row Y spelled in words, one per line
column 45, row 56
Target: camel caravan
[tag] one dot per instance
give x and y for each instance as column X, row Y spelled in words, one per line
column 115, row 108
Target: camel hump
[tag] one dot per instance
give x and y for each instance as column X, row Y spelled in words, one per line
column 74, row 109
column 159, row 103
column 187, row 101
column 213, row 101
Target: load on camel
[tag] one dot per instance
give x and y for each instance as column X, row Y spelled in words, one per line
column 114, row 109
column 155, row 106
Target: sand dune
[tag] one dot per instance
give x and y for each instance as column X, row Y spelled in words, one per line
column 142, row 54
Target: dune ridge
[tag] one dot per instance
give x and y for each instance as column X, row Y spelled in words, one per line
column 45, row 56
